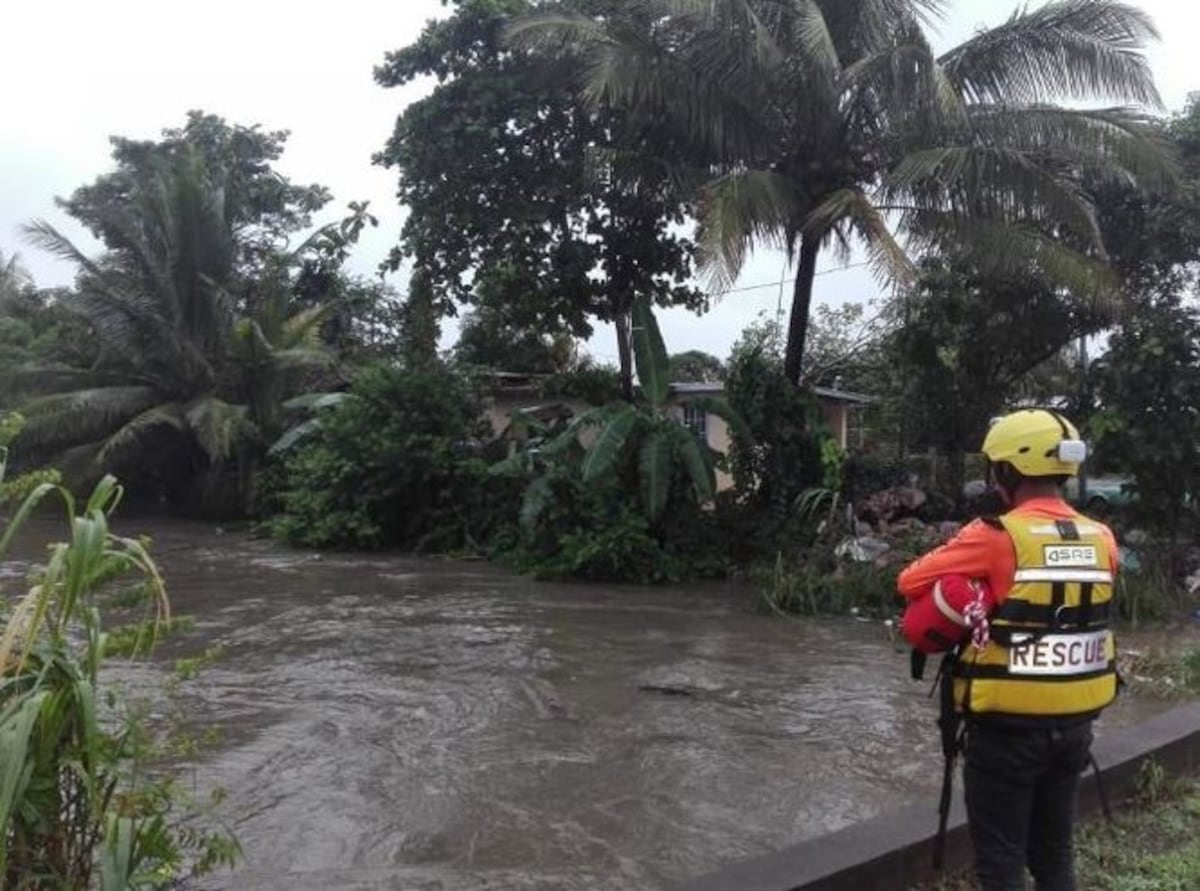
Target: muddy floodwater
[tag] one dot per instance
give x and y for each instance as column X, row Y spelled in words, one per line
column 400, row 723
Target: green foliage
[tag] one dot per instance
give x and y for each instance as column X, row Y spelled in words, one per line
column 16, row 490
column 1148, row 385
column 517, row 192
column 968, row 342
column 1153, row 591
column 815, row 120
column 822, row 587
column 593, row 384
column 395, row 463
column 78, row 808
column 780, row 456
column 696, row 366
column 488, row 338
column 616, row 493
column 206, row 318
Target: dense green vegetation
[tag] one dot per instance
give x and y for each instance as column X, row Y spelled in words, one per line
column 80, row 803
column 217, row 354
column 577, row 163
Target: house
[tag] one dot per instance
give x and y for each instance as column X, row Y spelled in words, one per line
column 836, row 407
column 511, row 393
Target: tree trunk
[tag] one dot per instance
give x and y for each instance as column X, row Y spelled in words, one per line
column 624, row 354
column 810, row 249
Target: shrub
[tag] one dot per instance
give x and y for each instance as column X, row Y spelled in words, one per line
column 397, row 463
column 817, row 587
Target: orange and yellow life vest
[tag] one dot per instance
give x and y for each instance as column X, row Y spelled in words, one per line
column 1051, row 652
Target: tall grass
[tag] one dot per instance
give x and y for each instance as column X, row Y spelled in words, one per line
column 78, row 808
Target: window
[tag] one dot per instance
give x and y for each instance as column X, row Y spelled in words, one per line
column 696, row 420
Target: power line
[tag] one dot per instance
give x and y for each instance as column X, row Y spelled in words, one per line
column 786, row 281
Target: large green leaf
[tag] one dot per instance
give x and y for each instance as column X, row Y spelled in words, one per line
column 654, row 465
column 16, row 727
column 219, row 427
column 607, row 448
column 127, row 438
column 697, row 460
column 653, row 365
column 294, row 435
column 315, row 401
column 538, row 496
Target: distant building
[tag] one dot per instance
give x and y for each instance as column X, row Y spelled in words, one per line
column 511, row 393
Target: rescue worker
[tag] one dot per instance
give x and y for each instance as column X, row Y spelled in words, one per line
column 1029, row 686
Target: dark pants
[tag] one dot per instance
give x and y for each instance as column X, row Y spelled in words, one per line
column 1020, row 794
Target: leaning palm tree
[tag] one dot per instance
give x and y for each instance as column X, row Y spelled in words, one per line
column 158, row 303
column 180, row 375
column 823, row 123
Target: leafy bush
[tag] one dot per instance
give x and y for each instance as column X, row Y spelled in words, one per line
column 628, row 504
column 18, row 489
column 78, row 806
column 781, row 454
column 594, row 536
column 397, row 463
column 594, row 384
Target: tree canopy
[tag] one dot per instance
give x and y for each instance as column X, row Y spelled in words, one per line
column 521, row 196
column 823, row 123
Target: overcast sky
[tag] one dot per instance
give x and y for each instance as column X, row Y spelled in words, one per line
column 77, row 71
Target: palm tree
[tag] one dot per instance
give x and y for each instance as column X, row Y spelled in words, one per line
column 828, row 122
column 176, row 361
column 13, row 278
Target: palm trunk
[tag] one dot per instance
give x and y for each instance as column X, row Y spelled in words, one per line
column 624, row 354
column 810, row 249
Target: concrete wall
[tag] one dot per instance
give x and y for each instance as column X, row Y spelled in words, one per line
column 893, row 851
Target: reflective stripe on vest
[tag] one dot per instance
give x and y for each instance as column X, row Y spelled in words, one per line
column 1051, row 652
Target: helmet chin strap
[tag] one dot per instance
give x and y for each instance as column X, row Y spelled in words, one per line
column 1007, row 478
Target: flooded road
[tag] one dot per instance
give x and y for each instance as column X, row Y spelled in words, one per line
column 399, row 723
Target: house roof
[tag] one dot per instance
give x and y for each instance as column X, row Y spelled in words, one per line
column 511, row 381
column 829, row 394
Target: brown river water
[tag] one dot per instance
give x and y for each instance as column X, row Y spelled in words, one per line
column 388, row 722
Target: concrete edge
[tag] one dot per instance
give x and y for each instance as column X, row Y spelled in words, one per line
column 893, row 851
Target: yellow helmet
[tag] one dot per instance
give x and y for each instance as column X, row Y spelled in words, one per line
column 1037, row 442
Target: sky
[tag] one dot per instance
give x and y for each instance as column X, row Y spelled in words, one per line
column 77, row 71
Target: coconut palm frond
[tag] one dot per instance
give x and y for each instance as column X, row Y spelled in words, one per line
column 739, row 210
column 556, row 32
column 64, row 419
column 714, row 103
column 301, row 359
column 1084, row 49
column 1004, row 248
column 41, row 380
column 853, row 208
column 1123, row 143
column 811, row 33
column 994, row 182
column 129, row 437
column 219, row 428
column 45, row 236
column 902, row 89
column 250, row 343
column 304, row 328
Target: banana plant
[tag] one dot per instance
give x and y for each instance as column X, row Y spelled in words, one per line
column 611, row 435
